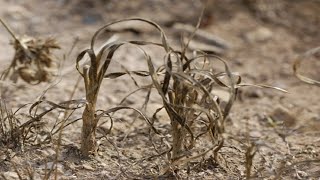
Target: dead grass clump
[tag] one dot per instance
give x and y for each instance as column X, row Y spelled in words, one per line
column 33, row 61
column 188, row 93
column 186, row 86
column 18, row 129
column 196, row 90
column 190, row 101
column 9, row 126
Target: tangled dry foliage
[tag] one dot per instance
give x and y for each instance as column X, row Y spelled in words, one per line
column 186, row 86
column 33, row 61
column 186, row 83
column 18, row 130
column 185, row 89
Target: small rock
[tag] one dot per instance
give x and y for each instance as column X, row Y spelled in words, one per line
column 16, row 160
column 91, row 18
column 3, row 157
column 202, row 174
column 88, row 167
column 255, row 134
column 260, row 34
column 283, row 114
column 47, row 152
column 50, row 165
column 302, row 174
column 103, row 164
column 70, row 174
column 253, row 93
column 311, row 122
column 11, row 175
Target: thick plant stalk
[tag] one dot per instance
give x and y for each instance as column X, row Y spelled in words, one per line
column 88, row 136
column 93, row 75
column 178, row 136
column 89, row 120
column 178, row 130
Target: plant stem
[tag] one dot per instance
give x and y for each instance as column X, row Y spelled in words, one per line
column 9, row 30
column 88, row 136
column 178, row 138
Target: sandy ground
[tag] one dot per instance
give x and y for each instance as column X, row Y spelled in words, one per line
column 265, row 37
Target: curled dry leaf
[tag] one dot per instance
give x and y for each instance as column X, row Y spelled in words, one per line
column 298, row 62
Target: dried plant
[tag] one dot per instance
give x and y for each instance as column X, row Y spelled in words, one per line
column 33, row 61
column 18, row 129
column 9, row 126
column 189, row 99
column 250, row 153
column 187, row 91
column 93, row 76
column 185, row 84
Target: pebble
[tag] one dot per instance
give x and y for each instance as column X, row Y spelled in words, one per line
column 253, row 92
column 88, row 167
column 47, row 152
column 302, row 174
column 91, row 18
column 49, row 165
column 311, row 122
column 260, row 34
column 255, row 134
column 284, row 115
column 10, row 175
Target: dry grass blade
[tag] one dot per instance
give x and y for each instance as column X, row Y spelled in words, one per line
column 298, row 62
column 186, row 160
column 115, row 109
column 9, row 126
column 286, row 168
column 163, row 36
column 66, row 105
column 250, row 153
column 262, row 86
column 119, row 74
column 30, row 129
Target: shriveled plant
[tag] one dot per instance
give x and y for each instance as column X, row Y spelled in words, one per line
column 33, row 61
column 185, row 89
column 185, row 84
column 187, row 92
column 93, row 75
column 18, row 129
column 9, row 125
column 188, row 96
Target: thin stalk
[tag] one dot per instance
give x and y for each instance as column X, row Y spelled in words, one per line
column 9, row 30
